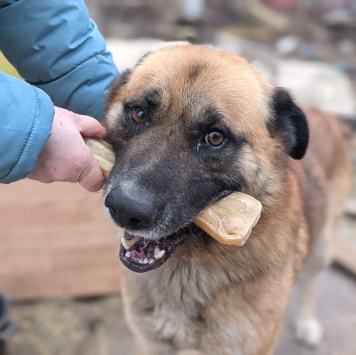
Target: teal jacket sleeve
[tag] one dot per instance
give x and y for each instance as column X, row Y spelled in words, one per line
column 26, row 115
column 56, row 48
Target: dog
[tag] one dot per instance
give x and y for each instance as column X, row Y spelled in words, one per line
column 190, row 124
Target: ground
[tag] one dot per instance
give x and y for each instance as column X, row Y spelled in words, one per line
column 97, row 326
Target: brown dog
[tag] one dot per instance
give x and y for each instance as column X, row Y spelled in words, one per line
column 190, row 124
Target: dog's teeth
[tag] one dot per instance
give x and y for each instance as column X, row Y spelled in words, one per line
column 158, row 253
column 128, row 254
column 151, row 261
column 127, row 244
column 145, row 261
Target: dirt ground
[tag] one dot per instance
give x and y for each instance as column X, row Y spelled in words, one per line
column 97, row 326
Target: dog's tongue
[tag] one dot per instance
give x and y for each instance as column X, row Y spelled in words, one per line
column 141, row 254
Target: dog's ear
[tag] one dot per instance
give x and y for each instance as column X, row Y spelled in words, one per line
column 122, row 79
column 289, row 122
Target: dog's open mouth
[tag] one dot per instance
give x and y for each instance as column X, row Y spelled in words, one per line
column 140, row 254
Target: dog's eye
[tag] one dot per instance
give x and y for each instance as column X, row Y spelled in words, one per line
column 214, row 138
column 138, row 115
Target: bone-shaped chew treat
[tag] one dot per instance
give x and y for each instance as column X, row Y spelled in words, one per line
column 229, row 220
column 103, row 153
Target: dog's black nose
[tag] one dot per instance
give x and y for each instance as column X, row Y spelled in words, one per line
column 132, row 209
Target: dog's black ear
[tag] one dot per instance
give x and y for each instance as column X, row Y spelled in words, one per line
column 289, row 122
column 122, row 79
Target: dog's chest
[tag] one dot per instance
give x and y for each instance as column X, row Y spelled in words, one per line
column 177, row 297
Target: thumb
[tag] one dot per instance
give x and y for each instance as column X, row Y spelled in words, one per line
column 92, row 178
column 88, row 126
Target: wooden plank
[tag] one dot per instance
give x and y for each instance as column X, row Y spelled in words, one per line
column 55, row 241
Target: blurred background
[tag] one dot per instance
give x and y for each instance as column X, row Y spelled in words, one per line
column 58, row 250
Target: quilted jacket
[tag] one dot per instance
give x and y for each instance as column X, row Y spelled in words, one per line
column 62, row 56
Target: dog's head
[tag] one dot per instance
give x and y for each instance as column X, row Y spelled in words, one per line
column 190, row 124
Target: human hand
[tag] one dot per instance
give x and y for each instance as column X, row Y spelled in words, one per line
column 65, row 156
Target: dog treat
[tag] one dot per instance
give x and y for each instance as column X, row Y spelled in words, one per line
column 103, row 153
column 229, row 220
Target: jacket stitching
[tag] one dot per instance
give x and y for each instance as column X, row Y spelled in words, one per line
column 87, row 59
column 29, row 136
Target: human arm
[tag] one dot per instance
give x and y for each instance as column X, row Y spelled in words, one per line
column 30, row 142
column 56, row 47
column 26, row 115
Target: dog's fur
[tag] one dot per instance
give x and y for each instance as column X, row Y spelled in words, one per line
column 209, row 298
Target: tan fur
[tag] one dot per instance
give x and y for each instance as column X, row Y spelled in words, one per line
column 327, row 160
column 215, row 299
